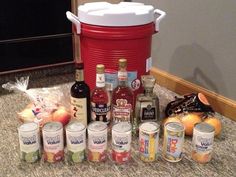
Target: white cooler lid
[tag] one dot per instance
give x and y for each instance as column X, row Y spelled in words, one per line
column 122, row 14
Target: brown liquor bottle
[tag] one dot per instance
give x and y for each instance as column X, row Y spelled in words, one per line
column 80, row 96
column 100, row 101
column 122, row 97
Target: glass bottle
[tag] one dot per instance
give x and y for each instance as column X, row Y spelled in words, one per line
column 122, row 97
column 147, row 103
column 100, row 101
column 80, row 96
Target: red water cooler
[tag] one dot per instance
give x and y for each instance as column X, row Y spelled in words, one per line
column 109, row 32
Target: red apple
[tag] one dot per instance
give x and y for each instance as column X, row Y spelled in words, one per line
column 61, row 115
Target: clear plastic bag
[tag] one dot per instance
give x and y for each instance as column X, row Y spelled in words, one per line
column 44, row 101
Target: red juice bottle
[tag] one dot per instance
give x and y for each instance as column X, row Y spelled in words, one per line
column 122, row 97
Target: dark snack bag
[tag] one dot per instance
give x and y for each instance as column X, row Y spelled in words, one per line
column 194, row 102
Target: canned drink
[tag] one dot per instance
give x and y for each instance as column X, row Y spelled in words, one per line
column 148, row 141
column 173, row 141
column 121, row 142
column 97, row 141
column 202, row 142
column 53, row 143
column 76, row 141
column 29, row 142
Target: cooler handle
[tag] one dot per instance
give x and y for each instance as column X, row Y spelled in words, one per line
column 161, row 14
column 74, row 19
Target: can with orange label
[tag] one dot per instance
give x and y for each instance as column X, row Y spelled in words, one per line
column 97, row 141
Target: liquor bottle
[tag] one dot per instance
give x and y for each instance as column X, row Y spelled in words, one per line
column 80, row 97
column 100, row 100
column 147, row 103
column 122, row 97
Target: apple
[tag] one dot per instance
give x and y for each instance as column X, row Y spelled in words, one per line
column 61, row 115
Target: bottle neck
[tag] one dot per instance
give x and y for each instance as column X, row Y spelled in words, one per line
column 148, row 91
column 79, row 75
column 100, row 80
column 122, row 78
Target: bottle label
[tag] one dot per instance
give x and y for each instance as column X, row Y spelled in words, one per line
column 111, row 79
column 122, row 75
column 100, row 80
column 133, row 81
column 122, row 111
column 101, row 112
column 148, row 112
column 79, row 109
column 79, row 75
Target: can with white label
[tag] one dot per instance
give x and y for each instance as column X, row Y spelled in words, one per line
column 76, row 141
column 173, row 141
column 121, row 142
column 148, row 141
column 53, row 142
column 97, row 141
column 29, row 142
column 202, row 142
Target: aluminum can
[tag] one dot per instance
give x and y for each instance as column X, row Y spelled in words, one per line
column 148, row 141
column 53, row 143
column 202, row 142
column 121, row 142
column 97, row 141
column 76, row 141
column 29, row 142
column 173, row 141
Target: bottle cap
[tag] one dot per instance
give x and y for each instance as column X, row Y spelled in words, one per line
column 204, row 127
column 122, row 63
column 148, row 80
column 100, row 68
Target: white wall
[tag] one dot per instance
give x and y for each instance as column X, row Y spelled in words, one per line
column 197, row 42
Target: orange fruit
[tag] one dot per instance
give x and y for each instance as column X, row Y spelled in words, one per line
column 189, row 120
column 216, row 123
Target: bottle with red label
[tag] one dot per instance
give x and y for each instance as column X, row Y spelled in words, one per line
column 100, row 101
column 122, row 97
